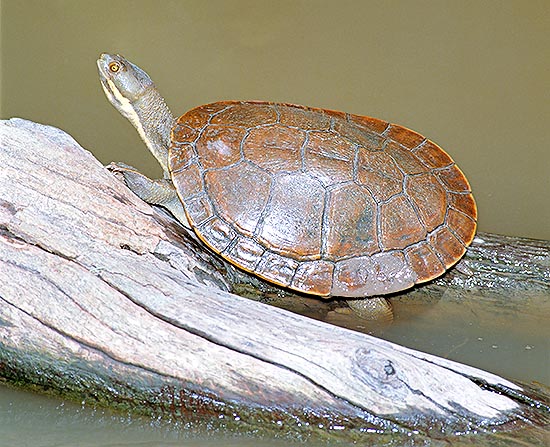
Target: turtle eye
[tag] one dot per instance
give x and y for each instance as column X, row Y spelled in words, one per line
column 115, row 67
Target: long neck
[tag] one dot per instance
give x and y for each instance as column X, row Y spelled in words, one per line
column 154, row 121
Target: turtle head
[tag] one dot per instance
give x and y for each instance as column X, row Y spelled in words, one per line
column 123, row 82
column 135, row 96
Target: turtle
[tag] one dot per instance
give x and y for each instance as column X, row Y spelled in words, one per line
column 322, row 202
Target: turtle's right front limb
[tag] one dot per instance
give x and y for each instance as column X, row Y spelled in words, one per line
column 155, row 192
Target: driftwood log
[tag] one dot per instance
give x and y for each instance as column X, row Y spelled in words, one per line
column 103, row 299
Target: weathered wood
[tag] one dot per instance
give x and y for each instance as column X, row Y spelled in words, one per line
column 104, row 300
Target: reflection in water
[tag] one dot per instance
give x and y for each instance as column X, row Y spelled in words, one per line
column 471, row 332
column 28, row 419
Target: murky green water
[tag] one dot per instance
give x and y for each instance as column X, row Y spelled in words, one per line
column 470, row 75
column 517, row 348
column 31, row 420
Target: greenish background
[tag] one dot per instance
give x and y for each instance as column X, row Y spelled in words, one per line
column 474, row 76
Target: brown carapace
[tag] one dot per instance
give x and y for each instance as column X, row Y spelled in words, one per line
column 322, row 202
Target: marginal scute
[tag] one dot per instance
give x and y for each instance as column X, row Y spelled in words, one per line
column 303, row 118
column 432, row 155
column 357, row 135
column 424, row 262
column 465, row 203
column 197, row 118
column 461, row 225
column 245, row 252
column 183, row 133
column 181, row 157
column 379, row 274
column 199, row 209
column 277, row 268
column 335, row 114
column 402, row 135
column 447, row 246
column 314, row 277
column 453, row 179
column 218, row 233
column 374, row 125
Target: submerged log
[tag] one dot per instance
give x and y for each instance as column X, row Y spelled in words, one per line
column 105, row 300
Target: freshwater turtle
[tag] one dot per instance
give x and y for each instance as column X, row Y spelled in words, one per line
column 322, row 202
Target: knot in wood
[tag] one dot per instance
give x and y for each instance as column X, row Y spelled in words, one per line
column 390, row 370
column 377, row 372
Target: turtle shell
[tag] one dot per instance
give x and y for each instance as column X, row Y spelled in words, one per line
column 322, row 202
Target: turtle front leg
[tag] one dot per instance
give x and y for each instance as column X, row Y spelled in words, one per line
column 155, row 192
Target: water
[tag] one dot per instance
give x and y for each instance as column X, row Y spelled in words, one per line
column 470, row 76
column 31, row 420
column 513, row 346
column 469, row 332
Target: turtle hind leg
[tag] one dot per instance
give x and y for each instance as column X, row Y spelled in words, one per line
column 372, row 308
column 155, row 192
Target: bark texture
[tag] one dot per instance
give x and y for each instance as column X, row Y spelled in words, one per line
column 103, row 299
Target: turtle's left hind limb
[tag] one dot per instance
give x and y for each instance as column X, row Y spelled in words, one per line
column 371, row 308
column 155, row 192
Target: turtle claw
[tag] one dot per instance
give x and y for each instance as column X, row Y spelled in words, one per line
column 118, row 166
column 154, row 192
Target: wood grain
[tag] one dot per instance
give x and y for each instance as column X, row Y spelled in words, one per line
column 104, row 300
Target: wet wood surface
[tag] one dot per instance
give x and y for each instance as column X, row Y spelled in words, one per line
column 104, row 300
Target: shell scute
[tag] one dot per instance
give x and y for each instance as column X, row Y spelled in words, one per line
column 237, row 115
column 374, row 125
column 432, row 155
column 446, row 245
column 292, row 220
column 239, row 195
column 314, row 277
column 405, row 159
column 400, row 225
column 406, row 137
column 424, row 262
column 275, row 148
column 378, row 172
column 277, row 268
column 352, row 214
column 219, row 146
column 429, row 198
column 245, row 252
